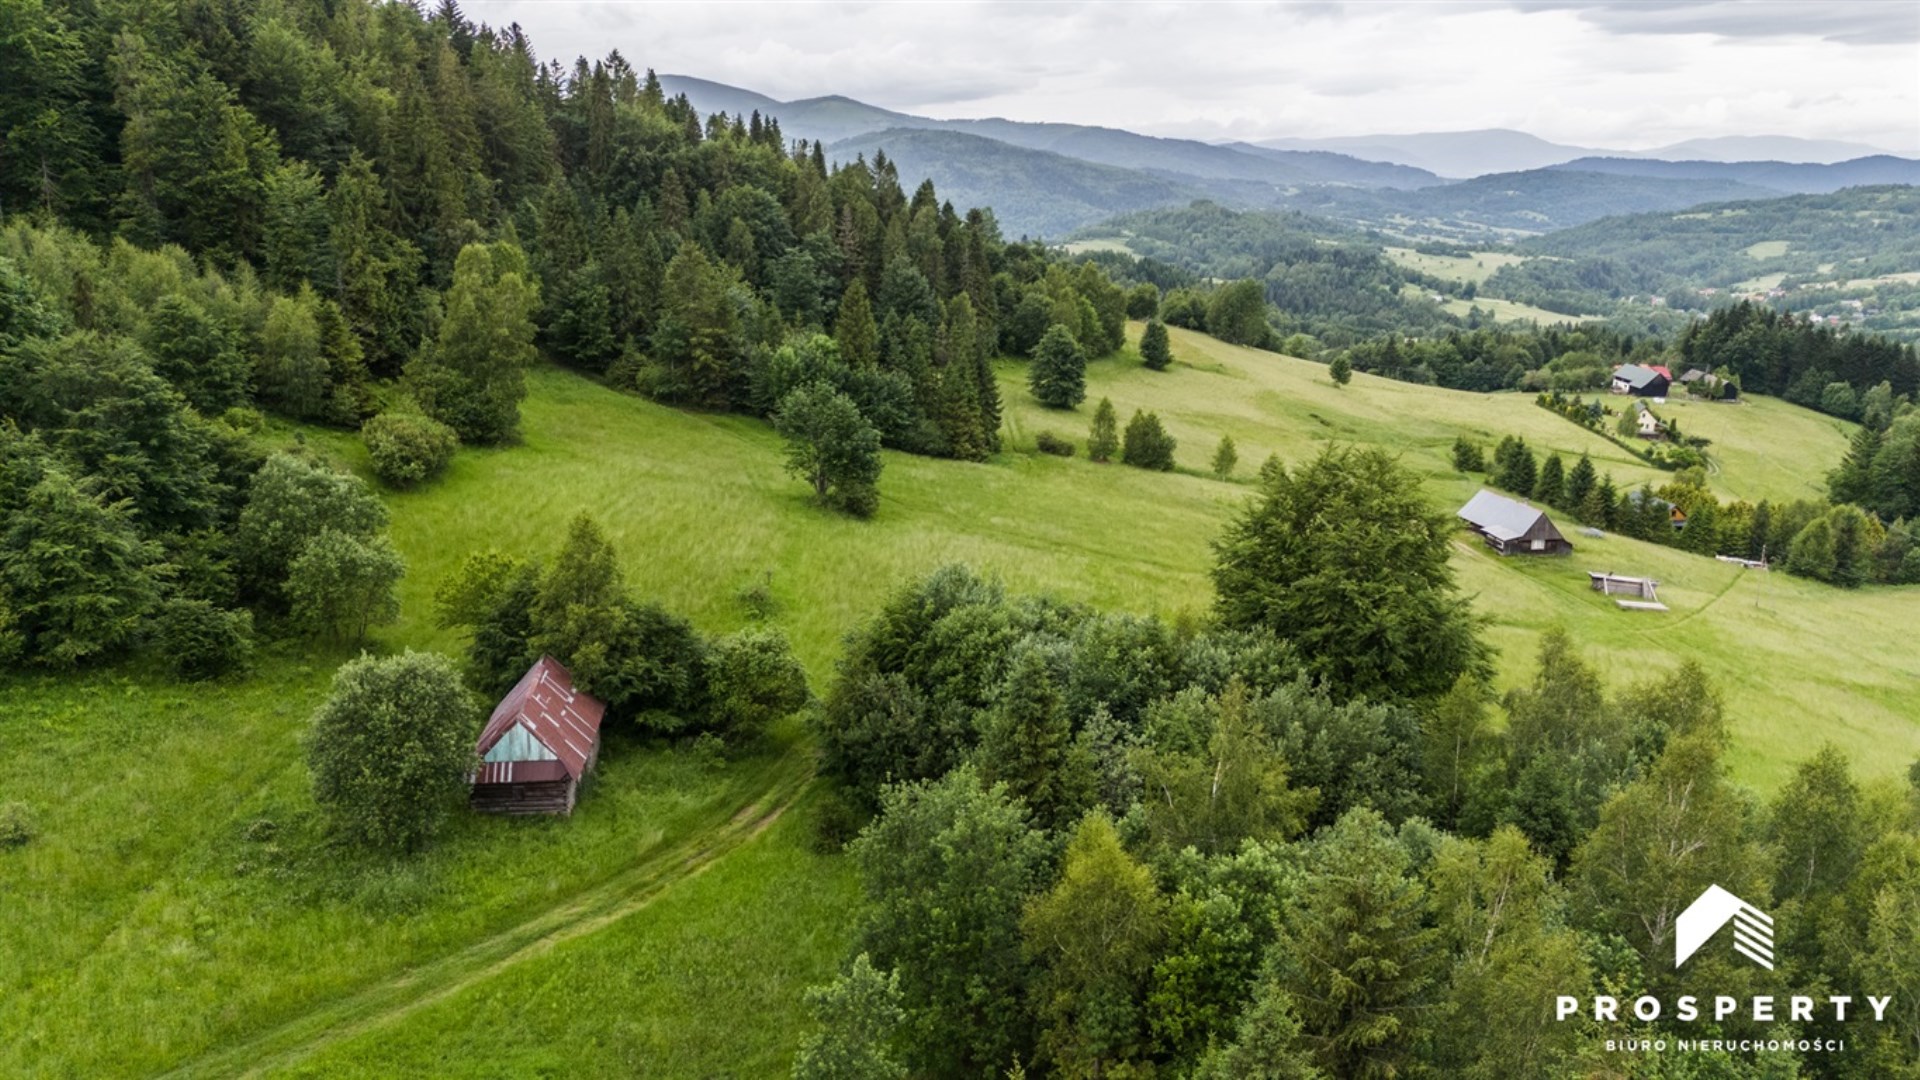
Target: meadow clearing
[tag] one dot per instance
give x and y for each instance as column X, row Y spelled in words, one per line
column 180, row 909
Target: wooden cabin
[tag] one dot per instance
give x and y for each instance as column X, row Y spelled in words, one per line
column 1511, row 527
column 541, row 741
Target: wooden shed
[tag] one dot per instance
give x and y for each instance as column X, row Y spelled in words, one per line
column 541, row 741
column 1511, row 527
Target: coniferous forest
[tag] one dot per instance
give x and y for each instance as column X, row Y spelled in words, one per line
column 254, row 252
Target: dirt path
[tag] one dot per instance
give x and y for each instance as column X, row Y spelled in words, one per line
column 604, row 904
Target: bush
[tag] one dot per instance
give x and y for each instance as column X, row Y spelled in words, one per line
column 1048, row 443
column 391, row 748
column 753, row 679
column 16, row 825
column 200, row 641
column 406, row 449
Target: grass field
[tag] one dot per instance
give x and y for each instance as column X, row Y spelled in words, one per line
column 1476, row 268
column 154, row 926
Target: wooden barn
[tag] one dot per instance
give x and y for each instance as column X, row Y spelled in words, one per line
column 541, row 741
column 1511, row 527
column 1648, row 381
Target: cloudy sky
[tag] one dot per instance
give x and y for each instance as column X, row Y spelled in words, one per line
column 1620, row 75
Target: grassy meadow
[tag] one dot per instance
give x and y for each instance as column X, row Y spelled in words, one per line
column 182, row 911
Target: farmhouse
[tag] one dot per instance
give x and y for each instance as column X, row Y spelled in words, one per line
column 1513, row 528
column 1650, row 425
column 541, row 741
column 1641, row 381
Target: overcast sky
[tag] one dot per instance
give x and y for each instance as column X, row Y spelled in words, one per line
column 1618, row 75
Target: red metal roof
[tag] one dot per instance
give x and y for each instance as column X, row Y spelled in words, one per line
column 561, row 718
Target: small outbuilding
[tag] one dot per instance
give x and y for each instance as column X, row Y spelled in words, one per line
column 1641, row 381
column 541, row 741
column 1511, row 527
column 1621, row 585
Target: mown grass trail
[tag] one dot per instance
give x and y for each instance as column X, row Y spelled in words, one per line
column 595, row 909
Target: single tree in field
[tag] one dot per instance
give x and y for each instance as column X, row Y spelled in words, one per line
column 1341, row 369
column 832, row 447
column 391, row 747
column 1104, row 437
column 1154, row 347
column 1058, row 374
column 474, row 374
column 1225, row 457
column 1345, row 560
column 1147, row 444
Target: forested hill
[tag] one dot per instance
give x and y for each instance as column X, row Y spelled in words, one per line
column 1032, row 192
column 367, row 216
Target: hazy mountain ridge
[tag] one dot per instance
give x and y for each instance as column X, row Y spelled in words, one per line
column 1051, row 179
column 1794, row 178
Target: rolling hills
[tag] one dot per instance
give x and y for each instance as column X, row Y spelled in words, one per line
column 277, row 953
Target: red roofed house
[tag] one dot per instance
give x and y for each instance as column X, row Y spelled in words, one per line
column 539, row 744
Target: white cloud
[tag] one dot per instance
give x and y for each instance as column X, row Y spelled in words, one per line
column 1619, row 75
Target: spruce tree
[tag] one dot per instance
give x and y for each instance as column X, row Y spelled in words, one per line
column 1146, row 444
column 1580, row 481
column 1550, row 487
column 855, row 330
column 1155, row 351
column 1341, row 369
column 1058, row 373
column 1103, row 439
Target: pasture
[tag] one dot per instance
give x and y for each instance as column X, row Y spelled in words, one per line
column 182, row 910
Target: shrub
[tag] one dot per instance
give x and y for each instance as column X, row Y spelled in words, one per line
column 391, row 748
column 753, row 679
column 406, row 449
column 198, row 640
column 16, row 825
column 1048, row 443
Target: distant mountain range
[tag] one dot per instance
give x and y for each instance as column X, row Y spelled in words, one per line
column 1050, row 180
column 1476, row 153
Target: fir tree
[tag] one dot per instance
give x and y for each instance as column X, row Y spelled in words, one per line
column 855, row 330
column 1155, row 351
column 1058, row 373
column 1550, row 487
column 1341, row 369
